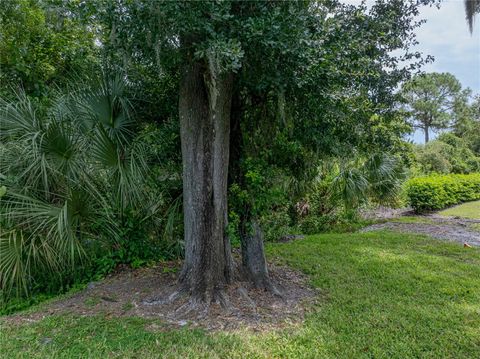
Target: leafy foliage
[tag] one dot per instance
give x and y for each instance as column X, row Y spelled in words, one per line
column 437, row 192
column 73, row 176
column 42, row 43
column 434, row 101
column 446, row 154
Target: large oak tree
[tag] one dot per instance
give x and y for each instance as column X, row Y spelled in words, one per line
column 312, row 74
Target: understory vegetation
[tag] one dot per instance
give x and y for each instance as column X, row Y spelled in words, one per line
column 380, row 295
column 91, row 164
column 78, row 196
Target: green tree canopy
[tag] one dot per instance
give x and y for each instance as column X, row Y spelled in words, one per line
column 434, row 101
column 468, row 126
column 42, row 42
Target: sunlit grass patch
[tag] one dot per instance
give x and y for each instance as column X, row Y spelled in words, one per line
column 465, row 210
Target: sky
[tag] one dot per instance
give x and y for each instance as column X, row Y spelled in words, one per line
column 447, row 38
column 445, row 35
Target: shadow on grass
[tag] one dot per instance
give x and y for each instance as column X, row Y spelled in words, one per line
column 388, row 295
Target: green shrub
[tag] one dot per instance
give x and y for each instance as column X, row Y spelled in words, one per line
column 439, row 191
column 447, row 154
column 277, row 224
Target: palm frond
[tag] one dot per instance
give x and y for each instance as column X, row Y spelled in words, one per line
column 18, row 118
column 106, row 105
column 385, row 175
column 350, row 185
column 13, row 271
column 70, row 173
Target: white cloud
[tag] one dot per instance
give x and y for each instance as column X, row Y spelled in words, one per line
column 445, row 35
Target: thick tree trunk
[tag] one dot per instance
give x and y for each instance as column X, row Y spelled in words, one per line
column 204, row 109
column 427, row 135
column 253, row 255
column 254, row 264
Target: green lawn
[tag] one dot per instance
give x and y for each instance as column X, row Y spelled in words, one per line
column 412, row 219
column 383, row 295
column 465, row 210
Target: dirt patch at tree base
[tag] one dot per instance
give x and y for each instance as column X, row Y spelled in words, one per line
column 128, row 293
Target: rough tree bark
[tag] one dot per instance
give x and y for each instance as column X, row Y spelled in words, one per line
column 204, row 109
column 253, row 256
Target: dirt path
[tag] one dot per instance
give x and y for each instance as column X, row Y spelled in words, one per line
column 438, row 227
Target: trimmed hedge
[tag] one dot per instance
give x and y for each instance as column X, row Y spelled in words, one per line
column 439, row 191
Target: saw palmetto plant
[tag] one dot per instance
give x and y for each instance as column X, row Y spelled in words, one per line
column 70, row 172
column 376, row 178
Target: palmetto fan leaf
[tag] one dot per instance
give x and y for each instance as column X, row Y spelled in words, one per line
column 41, row 153
column 375, row 177
column 123, row 164
column 105, row 105
column 60, row 146
column 51, row 233
column 53, row 222
column 13, row 272
column 350, row 185
column 70, row 173
column 385, row 175
column 104, row 150
column 19, row 118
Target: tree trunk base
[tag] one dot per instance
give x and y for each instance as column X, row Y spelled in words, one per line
column 198, row 306
column 241, row 303
column 185, row 304
column 254, row 264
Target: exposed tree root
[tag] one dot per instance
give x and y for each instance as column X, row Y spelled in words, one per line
column 171, row 298
column 271, row 287
column 187, row 305
column 199, row 309
column 179, row 304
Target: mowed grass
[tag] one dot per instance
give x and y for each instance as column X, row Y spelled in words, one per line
column 466, row 210
column 412, row 219
column 381, row 295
